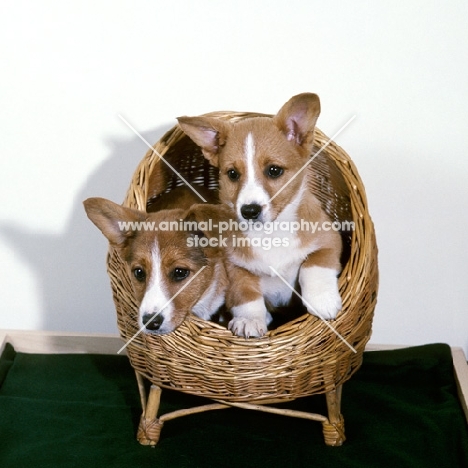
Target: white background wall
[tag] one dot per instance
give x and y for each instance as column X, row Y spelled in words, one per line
column 69, row 68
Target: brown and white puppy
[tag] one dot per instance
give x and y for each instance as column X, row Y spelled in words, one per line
column 264, row 180
column 161, row 258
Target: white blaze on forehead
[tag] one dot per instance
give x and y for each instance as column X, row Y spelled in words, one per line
column 252, row 192
column 249, row 150
column 156, row 296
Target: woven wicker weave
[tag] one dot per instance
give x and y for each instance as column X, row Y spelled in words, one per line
column 298, row 359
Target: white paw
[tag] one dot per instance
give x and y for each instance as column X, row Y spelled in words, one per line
column 320, row 292
column 247, row 328
column 250, row 319
column 325, row 305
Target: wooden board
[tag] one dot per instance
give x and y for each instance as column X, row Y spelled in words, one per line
column 81, row 343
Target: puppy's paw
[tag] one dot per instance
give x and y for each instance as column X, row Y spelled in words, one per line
column 247, row 328
column 325, row 305
column 320, row 292
column 250, row 319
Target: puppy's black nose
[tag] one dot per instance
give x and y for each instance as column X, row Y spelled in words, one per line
column 153, row 322
column 251, row 211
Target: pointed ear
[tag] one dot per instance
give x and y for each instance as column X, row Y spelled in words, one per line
column 208, row 133
column 112, row 220
column 297, row 119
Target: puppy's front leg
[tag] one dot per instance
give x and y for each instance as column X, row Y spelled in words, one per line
column 245, row 301
column 318, row 278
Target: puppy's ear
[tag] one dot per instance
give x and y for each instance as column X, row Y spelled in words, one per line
column 208, row 133
column 113, row 219
column 297, row 119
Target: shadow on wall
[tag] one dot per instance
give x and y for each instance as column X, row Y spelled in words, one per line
column 70, row 267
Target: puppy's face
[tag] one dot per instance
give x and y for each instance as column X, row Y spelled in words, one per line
column 259, row 170
column 260, row 158
column 168, row 274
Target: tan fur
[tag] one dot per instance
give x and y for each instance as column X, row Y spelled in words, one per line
column 328, row 254
column 241, row 280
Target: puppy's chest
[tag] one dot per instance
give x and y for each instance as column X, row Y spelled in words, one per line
column 262, row 254
column 277, row 268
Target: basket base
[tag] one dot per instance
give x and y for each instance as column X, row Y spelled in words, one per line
column 149, row 429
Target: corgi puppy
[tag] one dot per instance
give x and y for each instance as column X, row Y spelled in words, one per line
column 161, row 261
column 264, row 180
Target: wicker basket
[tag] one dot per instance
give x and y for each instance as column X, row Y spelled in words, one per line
column 301, row 358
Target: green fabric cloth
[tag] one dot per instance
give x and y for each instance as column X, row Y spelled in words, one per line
column 400, row 409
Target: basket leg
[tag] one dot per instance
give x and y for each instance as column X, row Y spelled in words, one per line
column 333, row 428
column 149, row 429
column 141, row 390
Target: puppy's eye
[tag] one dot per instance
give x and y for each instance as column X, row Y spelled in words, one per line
column 233, row 174
column 180, row 274
column 274, row 171
column 139, row 274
